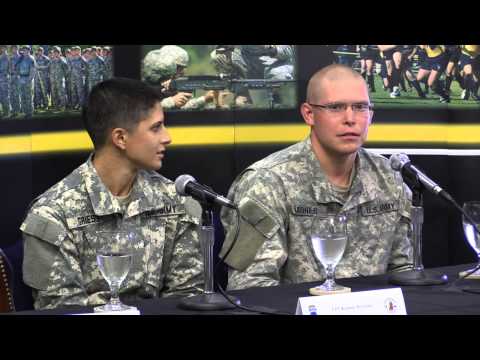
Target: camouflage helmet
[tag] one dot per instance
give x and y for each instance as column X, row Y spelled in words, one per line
column 179, row 55
column 158, row 66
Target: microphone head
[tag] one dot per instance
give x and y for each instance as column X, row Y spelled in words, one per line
column 397, row 161
column 181, row 182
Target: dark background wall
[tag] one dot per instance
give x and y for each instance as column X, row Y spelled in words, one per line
column 26, row 176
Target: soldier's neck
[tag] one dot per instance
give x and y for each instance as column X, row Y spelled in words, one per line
column 117, row 174
column 337, row 167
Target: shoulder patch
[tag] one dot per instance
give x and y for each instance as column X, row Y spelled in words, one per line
column 43, row 228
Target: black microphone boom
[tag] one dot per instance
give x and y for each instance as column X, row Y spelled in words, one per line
column 401, row 162
column 186, row 185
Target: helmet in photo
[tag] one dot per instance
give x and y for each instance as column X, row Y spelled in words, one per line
column 158, row 66
column 179, row 55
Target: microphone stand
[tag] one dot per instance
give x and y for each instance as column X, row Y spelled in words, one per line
column 417, row 276
column 209, row 300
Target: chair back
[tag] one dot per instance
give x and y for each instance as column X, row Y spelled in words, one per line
column 6, row 293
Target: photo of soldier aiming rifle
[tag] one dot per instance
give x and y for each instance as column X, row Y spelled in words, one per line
column 246, row 76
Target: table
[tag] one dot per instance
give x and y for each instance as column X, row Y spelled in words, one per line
column 419, row 300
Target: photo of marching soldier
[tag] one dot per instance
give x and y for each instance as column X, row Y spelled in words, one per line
column 216, row 77
column 49, row 80
column 416, row 75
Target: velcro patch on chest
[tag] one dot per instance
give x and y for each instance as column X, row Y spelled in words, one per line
column 83, row 220
column 166, row 210
column 378, row 207
column 320, row 210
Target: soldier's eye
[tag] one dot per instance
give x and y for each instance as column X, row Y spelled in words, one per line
column 360, row 107
column 336, row 107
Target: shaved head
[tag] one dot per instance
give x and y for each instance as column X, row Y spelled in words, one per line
column 329, row 73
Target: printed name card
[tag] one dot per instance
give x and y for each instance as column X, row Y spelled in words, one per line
column 373, row 302
column 133, row 311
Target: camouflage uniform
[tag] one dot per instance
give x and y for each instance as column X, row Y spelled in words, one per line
column 160, row 65
column 26, row 72
column 68, row 83
column 192, row 104
column 41, row 82
column 4, row 84
column 280, row 196
column 269, row 61
column 108, row 67
column 95, row 72
column 228, row 60
column 58, row 73
column 14, row 93
column 280, row 66
column 77, row 67
column 60, row 240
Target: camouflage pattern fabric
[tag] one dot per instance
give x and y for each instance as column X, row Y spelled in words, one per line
column 60, row 234
column 269, row 61
column 95, row 71
column 41, row 82
column 26, row 72
column 58, row 73
column 14, row 92
column 282, row 195
column 4, row 85
column 77, row 72
column 108, row 67
column 229, row 62
column 158, row 67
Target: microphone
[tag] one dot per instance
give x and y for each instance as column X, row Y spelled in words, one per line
column 186, row 185
column 400, row 162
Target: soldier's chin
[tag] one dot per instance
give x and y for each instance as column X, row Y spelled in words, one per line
column 159, row 166
column 154, row 165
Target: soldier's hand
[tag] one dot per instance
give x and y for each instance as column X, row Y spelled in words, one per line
column 181, row 99
column 211, row 95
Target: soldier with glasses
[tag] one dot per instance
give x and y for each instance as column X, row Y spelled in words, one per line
column 329, row 172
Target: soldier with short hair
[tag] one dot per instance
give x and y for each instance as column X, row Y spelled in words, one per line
column 107, row 57
column 4, row 81
column 68, row 78
column 116, row 188
column 328, row 173
column 77, row 71
column 58, row 73
column 26, row 71
column 95, row 69
column 14, row 92
column 41, row 82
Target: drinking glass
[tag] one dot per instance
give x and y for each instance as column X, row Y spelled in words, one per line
column 472, row 208
column 114, row 259
column 329, row 239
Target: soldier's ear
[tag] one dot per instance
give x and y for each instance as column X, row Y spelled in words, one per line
column 119, row 138
column 307, row 114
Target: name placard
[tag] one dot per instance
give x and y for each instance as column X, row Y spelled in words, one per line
column 373, row 302
column 132, row 311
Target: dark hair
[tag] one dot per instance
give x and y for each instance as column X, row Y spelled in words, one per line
column 117, row 102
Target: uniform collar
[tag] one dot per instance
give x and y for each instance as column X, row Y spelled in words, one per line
column 359, row 192
column 104, row 203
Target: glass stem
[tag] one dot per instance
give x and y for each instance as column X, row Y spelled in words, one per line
column 114, row 299
column 330, row 281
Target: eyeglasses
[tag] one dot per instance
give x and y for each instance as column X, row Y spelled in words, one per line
column 340, row 107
